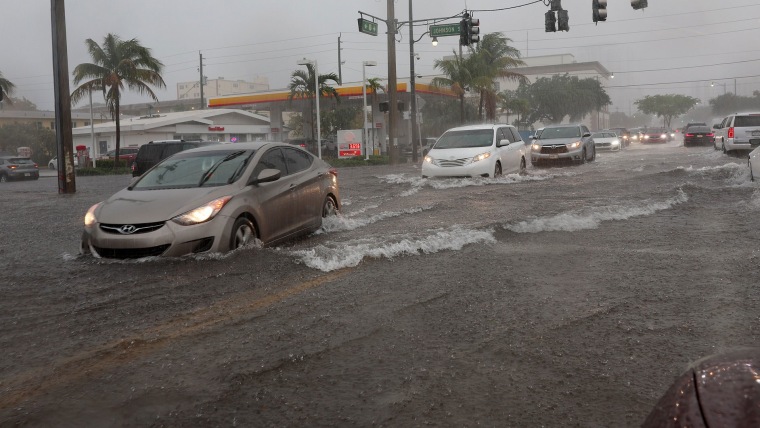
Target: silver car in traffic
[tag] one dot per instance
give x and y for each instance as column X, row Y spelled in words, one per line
column 563, row 143
column 214, row 199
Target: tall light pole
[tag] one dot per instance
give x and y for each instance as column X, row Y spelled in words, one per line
column 722, row 84
column 316, row 100
column 365, row 134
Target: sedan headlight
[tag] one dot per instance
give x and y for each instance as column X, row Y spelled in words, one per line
column 574, row 145
column 89, row 217
column 615, row 142
column 535, row 147
column 203, row 213
column 646, row 137
column 481, row 157
column 664, row 136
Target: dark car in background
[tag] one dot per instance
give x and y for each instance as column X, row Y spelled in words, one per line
column 698, row 136
column 655, row 135
column 125, row 153
column 155, row 151
column 18, row 168
column 624, row 134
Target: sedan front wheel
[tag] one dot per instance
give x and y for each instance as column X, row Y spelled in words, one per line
column 243, row 233
column 330, row 207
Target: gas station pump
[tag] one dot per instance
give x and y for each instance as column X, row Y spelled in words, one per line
column 83, row 156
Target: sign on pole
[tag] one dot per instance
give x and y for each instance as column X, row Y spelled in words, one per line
column 444, row 30
column 350, row 143
column 367, row 27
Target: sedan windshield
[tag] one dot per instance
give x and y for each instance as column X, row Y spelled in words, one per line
column 560, row 132
column 465, row 138
column 196, row 169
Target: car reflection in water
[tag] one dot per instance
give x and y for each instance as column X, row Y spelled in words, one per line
column 213, row 199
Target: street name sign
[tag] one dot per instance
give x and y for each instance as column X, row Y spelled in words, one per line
column 444, row 30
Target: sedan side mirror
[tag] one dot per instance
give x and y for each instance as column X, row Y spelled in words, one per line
column 267, row 176
column 588, row 134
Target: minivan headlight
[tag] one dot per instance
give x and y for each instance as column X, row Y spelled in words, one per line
column 535, row 147
column 482, row 156
column 428, row 159
column 203, row 213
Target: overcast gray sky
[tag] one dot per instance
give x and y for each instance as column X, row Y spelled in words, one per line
column 683, row 44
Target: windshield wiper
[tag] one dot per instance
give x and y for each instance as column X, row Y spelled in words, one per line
column 213, row 168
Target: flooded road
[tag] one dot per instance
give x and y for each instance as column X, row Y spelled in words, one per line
column 569, row 296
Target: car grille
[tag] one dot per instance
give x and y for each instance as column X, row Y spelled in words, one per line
column 551, row 150
column 123, row 229
column 445, row 163
column 603, row 144
column 131, row 253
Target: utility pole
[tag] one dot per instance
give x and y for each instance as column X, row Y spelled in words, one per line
column 392, row 84
column 63, row 137
column 203, row 104
column 340, row 69
column 412, row 76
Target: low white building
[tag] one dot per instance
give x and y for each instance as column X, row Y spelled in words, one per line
column 227, row 125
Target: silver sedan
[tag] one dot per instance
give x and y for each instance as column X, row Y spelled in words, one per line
column 214, row 199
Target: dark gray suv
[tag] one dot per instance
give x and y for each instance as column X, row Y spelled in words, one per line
column 155, row 151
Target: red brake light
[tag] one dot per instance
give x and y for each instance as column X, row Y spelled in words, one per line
column 689, row 135
column 711, row 135
column 12, row 166
column 731, row 132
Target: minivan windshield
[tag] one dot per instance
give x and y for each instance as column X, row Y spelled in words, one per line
column 196, row 169
column 465, row 138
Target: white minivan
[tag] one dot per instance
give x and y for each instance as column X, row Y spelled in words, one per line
column 739, row 131
column 476, row 151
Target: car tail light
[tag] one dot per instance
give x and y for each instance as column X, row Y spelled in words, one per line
column 731, row 132
column 711, row 135
column 333, row 171
column 133, row 167
column 689, row 135
column 12, row 166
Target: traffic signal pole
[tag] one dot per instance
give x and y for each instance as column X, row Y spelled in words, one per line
column 392, row 85
column 63, row 137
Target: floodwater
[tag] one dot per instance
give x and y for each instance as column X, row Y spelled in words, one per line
column 570, row 295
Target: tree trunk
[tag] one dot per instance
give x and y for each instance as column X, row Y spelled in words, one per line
column 118, row 133
column 461, row 109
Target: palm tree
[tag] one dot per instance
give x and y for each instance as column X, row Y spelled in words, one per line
column 6, row 89
column 459, row 77
column 117, row 64
column 302, row 86
column 492, row 60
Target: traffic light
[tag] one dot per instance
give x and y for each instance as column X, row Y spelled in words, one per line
column 600, row 10
column 564, row 20
column 639, row 4
column 550, row 22
column 473, row 30
column 463, row 31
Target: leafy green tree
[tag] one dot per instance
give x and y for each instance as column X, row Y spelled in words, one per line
column 341, row 118
column 553, row 99
column 6, row 89
column 117, row 64
column 666, row 106
column 622, row 120
column 302, row 86
column 732, row 103
column 492, row 59
column 439, row 114
column 510, row 104
column 459, row 78
column 21, row 104
column 40, row 140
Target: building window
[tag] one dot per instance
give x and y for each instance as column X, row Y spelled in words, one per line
column 52, row 125
column 38, row 124
column 182, row 86
column 235, row 85
column 86, row 123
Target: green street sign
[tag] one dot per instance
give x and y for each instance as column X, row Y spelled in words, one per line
column 367, row 27
column 444, row 30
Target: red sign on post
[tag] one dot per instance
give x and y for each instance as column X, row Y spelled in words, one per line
column 379, row 125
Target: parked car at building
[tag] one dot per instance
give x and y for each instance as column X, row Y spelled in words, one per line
column 607, row 140
column 738, row 132
column 698, row 136
column 154, row 152
column 18, row 168
column 125, row 153
column 476, row 151
column 214, row 198
column 53, row 163
column 563, row 143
